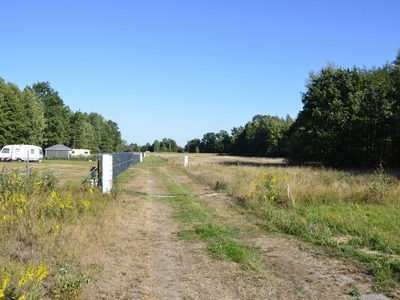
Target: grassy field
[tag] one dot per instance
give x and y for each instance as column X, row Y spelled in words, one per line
column 48, row 219
column 349, row 214
column 72, row 171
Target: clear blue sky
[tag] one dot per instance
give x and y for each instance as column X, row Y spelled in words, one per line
column 180, row 69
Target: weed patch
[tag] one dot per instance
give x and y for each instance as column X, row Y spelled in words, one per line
column 231, row 250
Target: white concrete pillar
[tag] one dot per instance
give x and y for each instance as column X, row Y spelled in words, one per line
column 107, row 175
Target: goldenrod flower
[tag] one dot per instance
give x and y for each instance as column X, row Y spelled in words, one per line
column 85, row 204
column 3, row 286
column 25, row 277
column 17, row 178
column 41, row 271
column 57, row 231
column 37, row 184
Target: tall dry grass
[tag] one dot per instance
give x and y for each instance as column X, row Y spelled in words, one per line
column 43, row 229
column 309, row 185
column 352, row 212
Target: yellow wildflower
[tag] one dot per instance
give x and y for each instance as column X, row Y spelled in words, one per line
column 86, row 204
column 41, row 271
column 17, row 178
column 57, row 231
column 37, row 184
column 261, row 177
column 26, row 276
column 3, row 286
column 22, row 198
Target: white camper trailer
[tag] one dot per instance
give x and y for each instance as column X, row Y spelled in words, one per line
column 80, row 152
column 21, row 153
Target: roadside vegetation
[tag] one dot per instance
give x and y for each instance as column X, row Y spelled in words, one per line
column 348, row 214
column 49, row 224
column 44, row 226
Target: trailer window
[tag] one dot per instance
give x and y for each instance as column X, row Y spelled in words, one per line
column 5, row 150
column 32, row 151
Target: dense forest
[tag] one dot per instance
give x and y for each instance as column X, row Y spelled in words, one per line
column 37, row 115
column 350, row 118
column 262, row 136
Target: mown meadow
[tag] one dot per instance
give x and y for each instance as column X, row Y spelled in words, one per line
column 351, row 214
column 46, row 217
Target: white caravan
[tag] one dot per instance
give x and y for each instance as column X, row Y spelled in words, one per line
column 21, row 153
column 80, row 152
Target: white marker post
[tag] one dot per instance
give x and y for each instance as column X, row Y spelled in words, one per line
column 107, row 173
column 186, row 161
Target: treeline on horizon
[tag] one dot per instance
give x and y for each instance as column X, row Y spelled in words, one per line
column 350, row 118
column 37, row 115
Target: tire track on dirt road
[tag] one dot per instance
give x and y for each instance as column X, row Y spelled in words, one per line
column 168, row 267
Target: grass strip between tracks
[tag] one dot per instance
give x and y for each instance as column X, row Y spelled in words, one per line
column 200, row 225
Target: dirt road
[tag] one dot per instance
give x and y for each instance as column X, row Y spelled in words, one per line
column 144, row 258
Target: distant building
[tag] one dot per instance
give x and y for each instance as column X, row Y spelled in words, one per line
column 80, row 152
column 58, row 151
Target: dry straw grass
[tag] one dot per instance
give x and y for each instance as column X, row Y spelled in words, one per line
column 309, row 185
column 46, row 229
column 362, row 206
